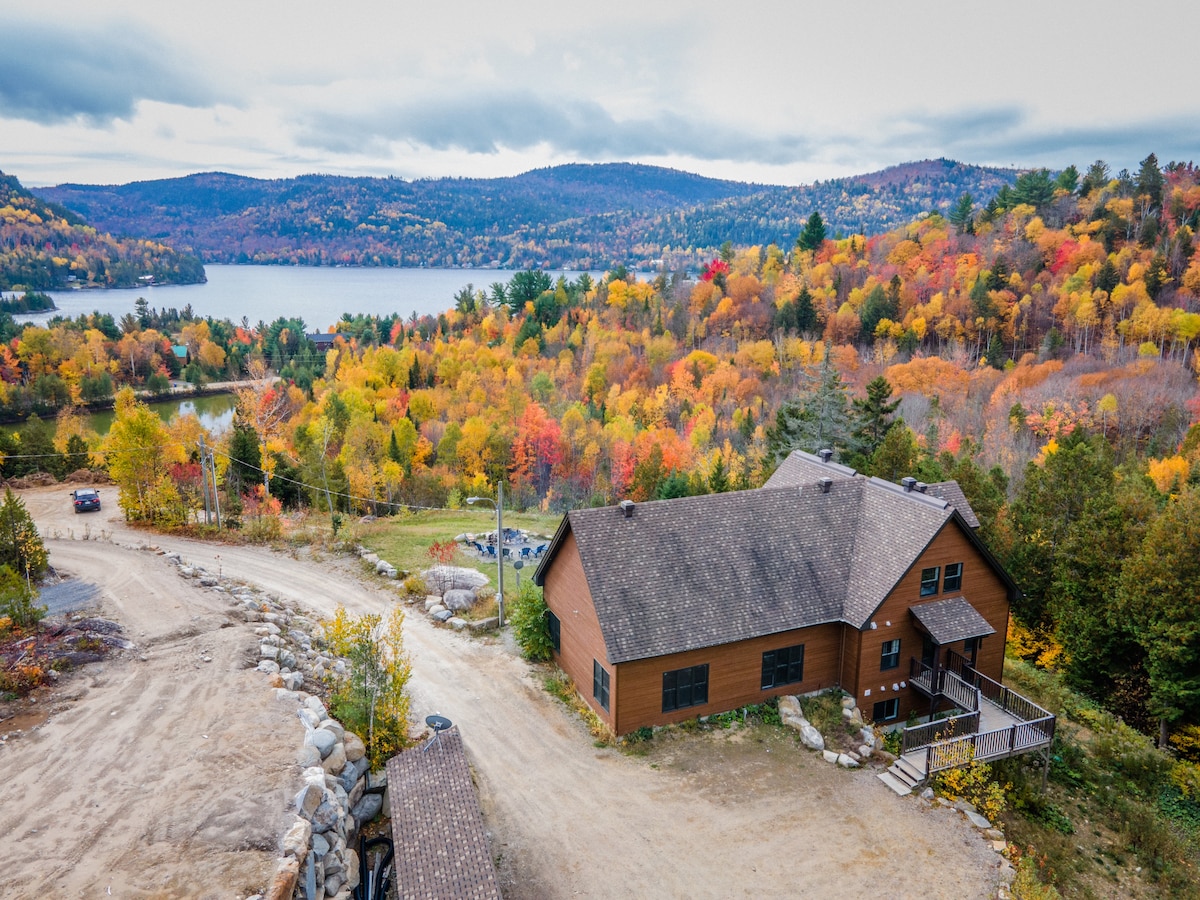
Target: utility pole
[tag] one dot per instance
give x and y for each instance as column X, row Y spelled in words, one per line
column 500, row 544
column 212, row 462
column 204, row 481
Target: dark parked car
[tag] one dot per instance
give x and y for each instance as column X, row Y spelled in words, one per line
column 86, row 499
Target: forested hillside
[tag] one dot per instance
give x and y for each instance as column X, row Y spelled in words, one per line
column 580, row 216
column 44, row 246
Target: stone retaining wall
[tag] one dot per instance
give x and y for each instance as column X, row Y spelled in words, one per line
column 338, row 793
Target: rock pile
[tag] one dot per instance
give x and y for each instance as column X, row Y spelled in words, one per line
column 339, row 793
column 792, row 714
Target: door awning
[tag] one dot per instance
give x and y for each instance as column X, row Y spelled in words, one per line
column 950, row 620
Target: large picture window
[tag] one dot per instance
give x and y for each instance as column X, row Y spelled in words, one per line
column 953, row 580
column 785, row 666
column 685, row 687
column 555, row 628
column 889, row 655
column 600, row 684
column 929, row 581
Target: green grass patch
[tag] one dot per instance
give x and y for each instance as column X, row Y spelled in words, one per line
column 404, row 539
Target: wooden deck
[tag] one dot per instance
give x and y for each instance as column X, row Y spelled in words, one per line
column 997, row 723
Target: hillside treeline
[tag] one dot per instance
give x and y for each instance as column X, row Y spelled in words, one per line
column 44, row 246
column 585, row 217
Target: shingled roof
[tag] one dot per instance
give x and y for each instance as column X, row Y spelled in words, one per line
column 695, row 572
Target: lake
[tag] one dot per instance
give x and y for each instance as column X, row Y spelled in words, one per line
column 215, row 412
column 317, row 294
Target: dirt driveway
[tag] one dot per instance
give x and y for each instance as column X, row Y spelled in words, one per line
column 168, row 776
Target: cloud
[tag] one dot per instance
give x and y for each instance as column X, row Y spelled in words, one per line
column 97, row 73
column 490, row 123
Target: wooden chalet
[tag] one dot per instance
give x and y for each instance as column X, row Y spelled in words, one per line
column 822, row 578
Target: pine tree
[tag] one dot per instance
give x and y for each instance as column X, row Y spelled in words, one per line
column 21, row 547
column 813, row 235
column 818, row 420
column 872, row 418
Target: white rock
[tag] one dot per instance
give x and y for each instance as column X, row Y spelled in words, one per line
column 789, row 705
column 830, row 756
column 335, row 726
column 336, row 760
column 295, row 842
column 846, row 761
column 811, row 738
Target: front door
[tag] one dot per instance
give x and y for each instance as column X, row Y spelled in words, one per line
column 929, row 652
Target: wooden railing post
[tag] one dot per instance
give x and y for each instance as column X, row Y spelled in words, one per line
column 1012, row 740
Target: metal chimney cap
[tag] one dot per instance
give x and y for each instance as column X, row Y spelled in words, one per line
column 825, row 455
column 826, row 484
column 908, row 483
column 921, row 486
column 627, row 508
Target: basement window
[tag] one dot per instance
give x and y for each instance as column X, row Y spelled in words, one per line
column 886, row 710
column 685, row 687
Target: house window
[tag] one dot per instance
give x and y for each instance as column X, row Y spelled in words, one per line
column 929, row 581
column 685, row 687
column 953, row 580
column 784, row 666
column 886, row 710
column 889, row 657
column 600, row 684
column 554, row 627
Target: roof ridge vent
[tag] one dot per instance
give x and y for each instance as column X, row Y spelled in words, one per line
column 627, row 508
column 921, row 486
column 936, row 502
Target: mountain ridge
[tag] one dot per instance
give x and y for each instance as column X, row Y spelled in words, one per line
column 577, row 215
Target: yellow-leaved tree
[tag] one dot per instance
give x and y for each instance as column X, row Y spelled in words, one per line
column 371, row 698
column 139, row 452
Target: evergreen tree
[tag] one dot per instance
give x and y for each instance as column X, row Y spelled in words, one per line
column 648, row 475
column 872, row 420
column 896, row 456
column 1150, row 182
column 718, row 478
column 876, row 307
column 818, row 420
column 813, row 235
column 962, row 215
column 245, row 459
column 1158, row 597
column 21, row 547
column 995, row 352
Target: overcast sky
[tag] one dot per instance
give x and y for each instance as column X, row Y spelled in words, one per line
column 781, row 92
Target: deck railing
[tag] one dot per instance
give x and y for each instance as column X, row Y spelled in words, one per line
column 944, row 681
column 917, row 736
column 1008, row 700
column 989, row 745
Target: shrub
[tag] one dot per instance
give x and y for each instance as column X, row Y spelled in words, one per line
column 530, row 622
column 1027, row 883
column 371, row 699
column 17, row 601
column 973, row 783
column 415, row 585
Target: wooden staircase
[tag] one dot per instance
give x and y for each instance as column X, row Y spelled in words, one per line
column 905, row 774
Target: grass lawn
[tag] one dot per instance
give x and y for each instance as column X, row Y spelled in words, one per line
column 404, row 540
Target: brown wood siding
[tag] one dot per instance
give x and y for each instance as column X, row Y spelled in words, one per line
column 849, row 669
column 734, row 676
column 982, row 587
column 580, row 639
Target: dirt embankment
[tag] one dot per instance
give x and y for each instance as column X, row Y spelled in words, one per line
column 163, row 775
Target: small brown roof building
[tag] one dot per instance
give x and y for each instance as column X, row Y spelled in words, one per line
column 665, row 610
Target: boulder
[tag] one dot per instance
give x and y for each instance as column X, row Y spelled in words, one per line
column 978, row 821
column 811, row 738
column 336, row 727
column 269, row 666
column 864, row 751
column 325, row 817
column 320, row 846
column 308, row 756
column 458, row 599
column 385, row 568
column 295, row 842
column 830, row 756
column 456, row 623
column 443, row 615
column 376, row 782
column 431, row 602
column 308, row 800
column 355, row 749
column 847, row 761
column 367, row 808
column 489, row 624
column 315, row 704
column 335, row 762
column 323, row 740
column 447, row 578
column 789, row 705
